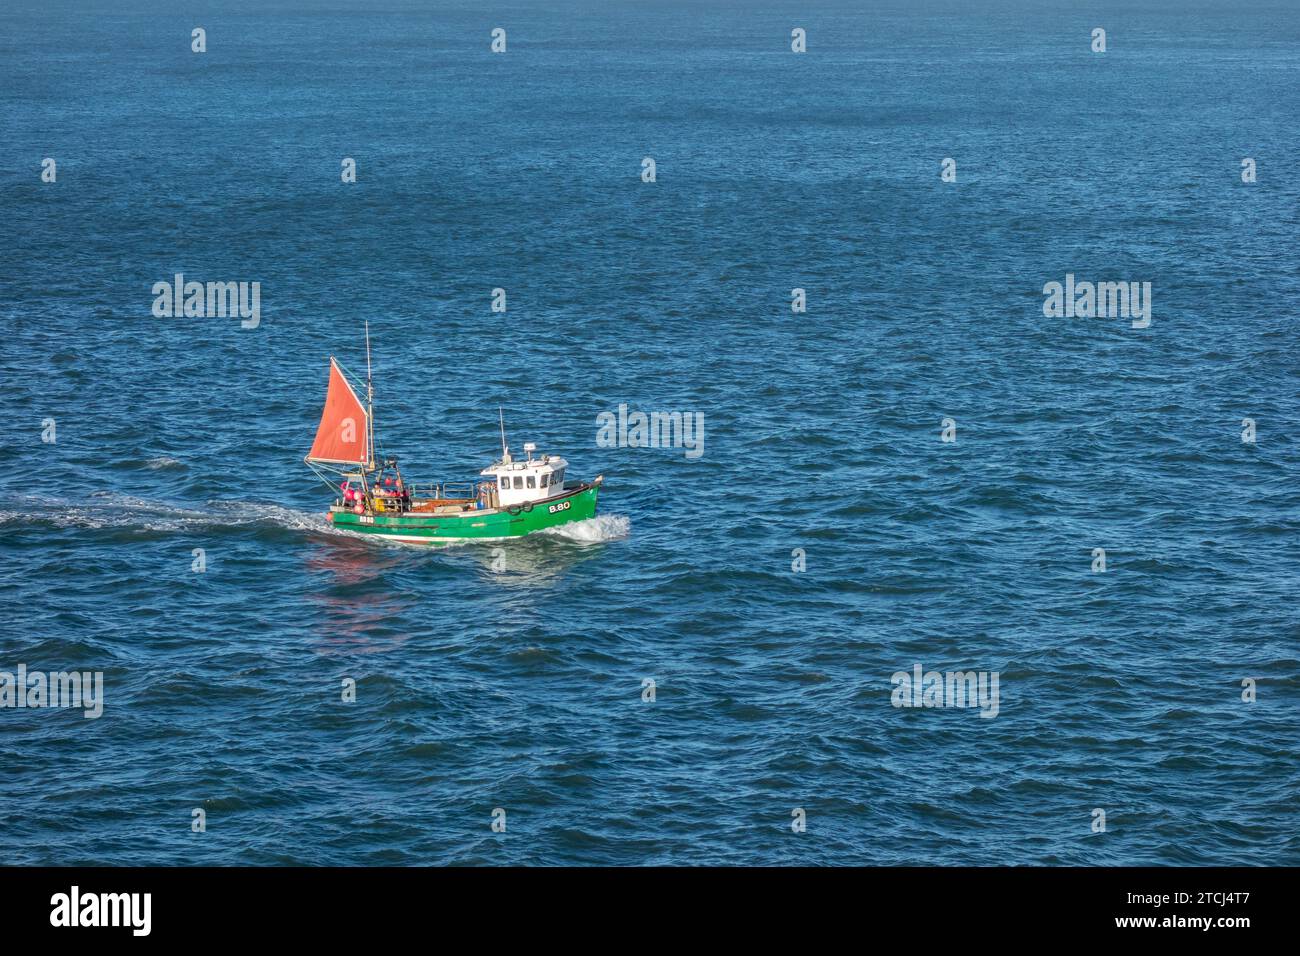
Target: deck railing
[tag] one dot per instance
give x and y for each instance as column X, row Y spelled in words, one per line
column 449, row 489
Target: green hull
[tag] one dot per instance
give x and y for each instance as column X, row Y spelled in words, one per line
column 427, row 528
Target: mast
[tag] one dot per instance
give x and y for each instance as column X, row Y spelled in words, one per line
column 370, row 403
column 501, row 415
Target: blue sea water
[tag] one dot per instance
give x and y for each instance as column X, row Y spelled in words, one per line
column 522, row 689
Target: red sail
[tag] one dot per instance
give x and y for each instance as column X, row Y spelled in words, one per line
column 342, row 438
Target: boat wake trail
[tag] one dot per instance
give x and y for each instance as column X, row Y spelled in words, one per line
column 113, row 511
column 593, row 530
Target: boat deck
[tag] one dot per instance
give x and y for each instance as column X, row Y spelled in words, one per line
column 439, row 505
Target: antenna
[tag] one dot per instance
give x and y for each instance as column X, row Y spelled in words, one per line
column 370, row 401
column 505, row 452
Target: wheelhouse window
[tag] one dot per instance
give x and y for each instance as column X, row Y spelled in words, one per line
column 532, row 482
column 519, row 481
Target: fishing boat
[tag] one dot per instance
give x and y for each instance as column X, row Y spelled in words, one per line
column 513, row 497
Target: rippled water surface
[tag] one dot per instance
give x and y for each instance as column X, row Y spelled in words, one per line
column 522, row 688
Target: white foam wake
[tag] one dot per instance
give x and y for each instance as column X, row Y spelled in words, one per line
column 115, row 510
column 163, row 462
column 594, row 530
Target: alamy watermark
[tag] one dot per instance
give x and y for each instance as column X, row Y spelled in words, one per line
column 199, row 300
column 76, row 908
column 84, row 689
column 1103, row 300
column 656, row 430
column 922, row 688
